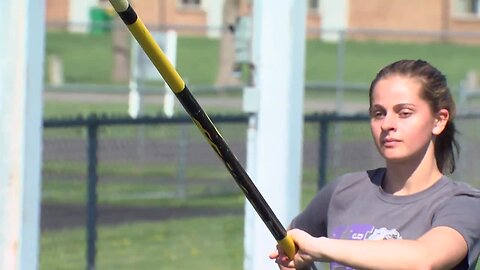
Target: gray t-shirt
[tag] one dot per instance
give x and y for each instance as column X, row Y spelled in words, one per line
column 354, row 206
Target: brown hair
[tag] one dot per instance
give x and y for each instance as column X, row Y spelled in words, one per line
column 436, row 92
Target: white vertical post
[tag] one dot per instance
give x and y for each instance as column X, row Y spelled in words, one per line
column 171, row 52
column 142, row 69
column 214, row 13
column 334, row 18
column 79, row 14
column 278, row 56
column 21, row 83
column 134, row 98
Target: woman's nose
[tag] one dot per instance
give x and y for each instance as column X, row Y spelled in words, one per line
column 389, row 123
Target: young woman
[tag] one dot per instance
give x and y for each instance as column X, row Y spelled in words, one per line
column 424, row 219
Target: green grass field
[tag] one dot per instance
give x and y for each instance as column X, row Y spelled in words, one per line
column 196, row 243
column 88, row 58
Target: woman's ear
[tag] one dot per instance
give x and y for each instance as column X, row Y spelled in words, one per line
column 441, row 120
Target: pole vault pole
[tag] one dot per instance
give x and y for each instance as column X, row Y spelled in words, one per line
column 203, row 122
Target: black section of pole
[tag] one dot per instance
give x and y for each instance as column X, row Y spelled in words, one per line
column 205, row 125
column 128, row 16
column 92, row 147
column 322, row 152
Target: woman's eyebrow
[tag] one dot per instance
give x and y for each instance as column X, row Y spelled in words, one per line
column 399, row 105
column 403, row 105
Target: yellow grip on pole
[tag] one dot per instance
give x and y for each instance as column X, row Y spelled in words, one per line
column 288, row 246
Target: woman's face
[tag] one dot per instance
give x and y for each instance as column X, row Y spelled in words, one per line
column 401, row 121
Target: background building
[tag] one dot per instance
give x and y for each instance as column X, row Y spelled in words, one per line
column 206, row 17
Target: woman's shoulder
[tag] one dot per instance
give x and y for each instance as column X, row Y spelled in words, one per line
column 459, row 207
column 459, row 188
column 458, row 197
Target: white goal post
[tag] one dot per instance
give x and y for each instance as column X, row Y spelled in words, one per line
column 21, row 86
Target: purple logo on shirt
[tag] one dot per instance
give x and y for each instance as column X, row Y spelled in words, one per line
column 361, row 232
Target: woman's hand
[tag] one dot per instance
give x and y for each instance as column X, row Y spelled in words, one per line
column 305, row 249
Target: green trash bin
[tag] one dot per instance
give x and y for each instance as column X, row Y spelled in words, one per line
column 100, row 21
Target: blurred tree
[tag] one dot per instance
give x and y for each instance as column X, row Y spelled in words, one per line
column 121, row 48
column 225, row 75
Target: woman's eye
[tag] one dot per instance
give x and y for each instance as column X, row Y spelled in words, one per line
column 377, row 114
column 405, row 113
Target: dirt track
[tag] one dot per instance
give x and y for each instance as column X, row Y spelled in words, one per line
column 63, row 216
column 206, row 102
